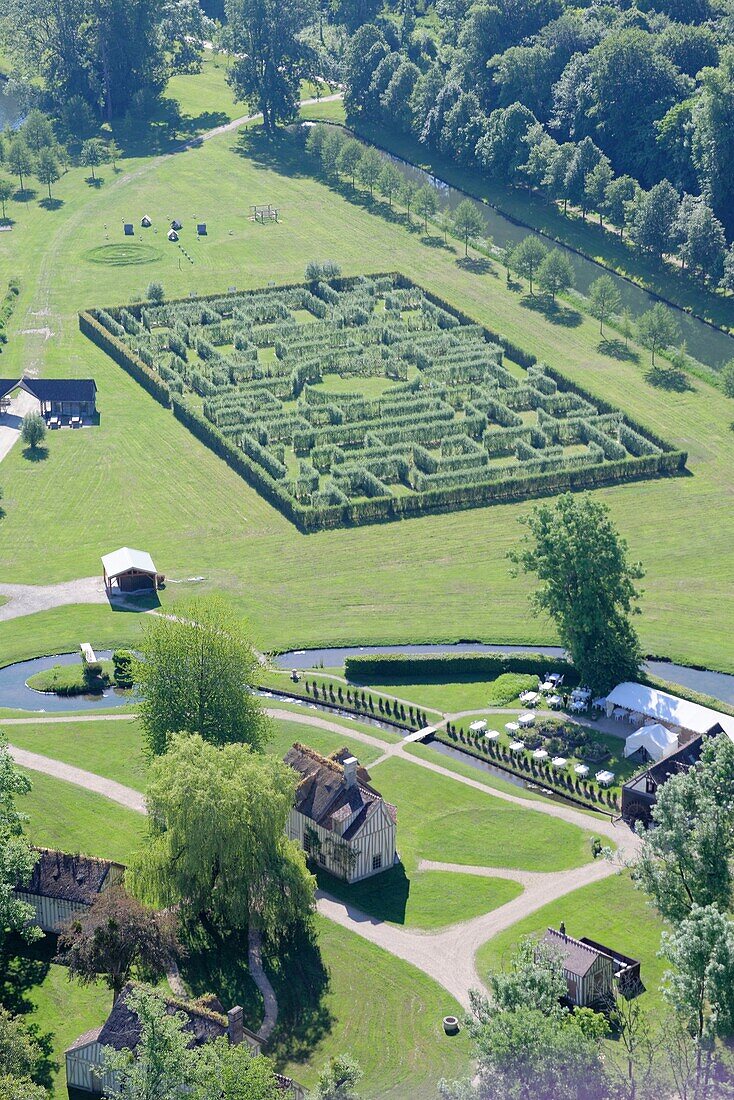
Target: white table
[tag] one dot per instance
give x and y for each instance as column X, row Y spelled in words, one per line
column 604, row 778
column 512, row 727
column 581, row 770
column 559, row 761
column 540, row 754
column 517, row 746
column 526, row 720
column 476, row 727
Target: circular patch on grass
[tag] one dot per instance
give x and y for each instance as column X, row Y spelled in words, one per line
column 120, row 255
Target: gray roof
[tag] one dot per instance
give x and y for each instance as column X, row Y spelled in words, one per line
column 323, row 794
column 67, row 877
column 121, row 1029
column 577, row 957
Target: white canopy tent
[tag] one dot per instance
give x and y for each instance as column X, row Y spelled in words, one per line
column 662, row 707
column 656, row 740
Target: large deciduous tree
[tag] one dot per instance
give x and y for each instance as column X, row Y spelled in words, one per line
column 604, row 299
column 555, row 273
column 687, row 857
column 657, row 328
column 272, row 56
column 217, row 843
column 115, row 936
column 713, row 138
column 526, row 257
column 586, row 586
column 16, row 857
column 112, row 55
column 468, row 222
column 194, row 673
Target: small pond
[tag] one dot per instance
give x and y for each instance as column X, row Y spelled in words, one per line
column 16, row 695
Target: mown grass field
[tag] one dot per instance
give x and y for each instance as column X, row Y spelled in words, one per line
column 141, row 479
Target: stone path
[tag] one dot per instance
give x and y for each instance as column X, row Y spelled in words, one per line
column 448, row 955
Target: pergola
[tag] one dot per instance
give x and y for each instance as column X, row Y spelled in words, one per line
column 129, row 571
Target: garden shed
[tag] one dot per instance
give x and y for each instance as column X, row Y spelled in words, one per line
column 130, row 571
column 656, row 740
column 589, row 971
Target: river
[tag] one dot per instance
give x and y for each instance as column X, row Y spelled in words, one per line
column 708, row 344
column 10, row 108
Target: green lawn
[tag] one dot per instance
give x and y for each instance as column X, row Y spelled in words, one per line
column 612, row 912
column 440, row 819
column 324, row 741
column 32, row 984
column 111, row 749
column 388, row 1016
column 66, row 679
column 463, row 695
column 433, row 578
column 422, row 899
column 74, row 820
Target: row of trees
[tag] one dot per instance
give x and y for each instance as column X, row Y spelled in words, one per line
column 514, row 146
column 34, row 150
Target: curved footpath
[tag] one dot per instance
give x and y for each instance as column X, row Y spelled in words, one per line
column 448, row 955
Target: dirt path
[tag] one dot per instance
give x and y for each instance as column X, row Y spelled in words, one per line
column 448, row 955
column 27, row 599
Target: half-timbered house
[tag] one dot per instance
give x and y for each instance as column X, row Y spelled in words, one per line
column 63, row 886
column 589, row 971
column 343, row 824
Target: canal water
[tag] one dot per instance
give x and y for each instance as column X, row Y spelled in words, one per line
column 706, row 343
column 10, row 108
column 720, row 685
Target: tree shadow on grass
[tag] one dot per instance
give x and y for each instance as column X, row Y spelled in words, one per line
column 24, row 967
column 35, row 454
column 301, row 982
column 476, row 265
column 384, row 897
column 216, row 962
column 617, row 349
column 51, row 204
column 9, row 222
column 668, row 378
column 554, row 312
column 24, row 195
column 430, row 240
column 94, row 181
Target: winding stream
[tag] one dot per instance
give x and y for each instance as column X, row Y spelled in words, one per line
column 16, row 695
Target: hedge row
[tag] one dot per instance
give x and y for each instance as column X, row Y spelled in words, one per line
column 125, row 358
column 385, row 668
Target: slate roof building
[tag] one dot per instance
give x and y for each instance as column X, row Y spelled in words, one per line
column 57, row 397
column 589, row 972
column 343, row 824
column 640, row 793
column 206, row 1021
column 63, row 886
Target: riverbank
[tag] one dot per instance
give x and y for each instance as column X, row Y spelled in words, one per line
column 587, row 242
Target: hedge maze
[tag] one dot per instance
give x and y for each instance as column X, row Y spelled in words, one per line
column 368, row 399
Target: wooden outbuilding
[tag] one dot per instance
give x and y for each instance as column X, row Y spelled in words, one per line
column 130, row 570
column 128, row 229
column 63, row 398
column 589, row 971
column 63, row 886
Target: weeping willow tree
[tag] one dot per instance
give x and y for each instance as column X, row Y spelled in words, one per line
column 217, row 845
column 195, row 674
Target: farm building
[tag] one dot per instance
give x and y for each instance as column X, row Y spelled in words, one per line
column 58, row 398
column 63, row 886
column 130, row 570
column 589, row 971
column 640, row 793
column 339, row 819
column 206, row 1021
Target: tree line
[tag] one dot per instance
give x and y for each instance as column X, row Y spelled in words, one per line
column 485, row 111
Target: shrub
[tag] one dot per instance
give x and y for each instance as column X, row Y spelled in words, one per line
column 155, row 292
column 123, row 661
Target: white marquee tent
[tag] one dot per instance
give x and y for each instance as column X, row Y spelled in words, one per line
column 662, row 707
column 656, row 740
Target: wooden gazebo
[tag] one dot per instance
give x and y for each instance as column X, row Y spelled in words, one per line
column 130, row 571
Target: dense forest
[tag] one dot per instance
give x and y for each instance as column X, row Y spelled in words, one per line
column 620, row 111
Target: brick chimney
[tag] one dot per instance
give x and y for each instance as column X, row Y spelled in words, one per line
column 350, row 771
column 235, row 1027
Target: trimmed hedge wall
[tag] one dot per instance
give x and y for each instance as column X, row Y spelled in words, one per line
column 451, row 668
column 438, row 492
